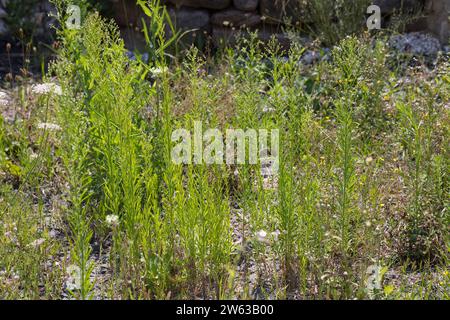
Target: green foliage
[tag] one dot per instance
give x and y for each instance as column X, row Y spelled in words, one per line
column 362, row 165
column 333, row 20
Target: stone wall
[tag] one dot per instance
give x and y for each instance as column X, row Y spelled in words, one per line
column 32, row 16
column 219, row 20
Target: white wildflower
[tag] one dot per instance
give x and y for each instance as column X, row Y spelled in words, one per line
column 261, row 236
column 37, row 243
column 275, row 235
column 73, row 281
column 49, row 126
column 46, row 88
column 158, row 71
column 4, row 99
column 112, row 220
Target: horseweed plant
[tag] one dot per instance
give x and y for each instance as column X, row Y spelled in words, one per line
column 321, row 209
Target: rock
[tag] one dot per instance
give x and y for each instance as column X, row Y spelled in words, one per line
column 222, row 36
column 187, row 18
column 415, row 43
column 3, row 13
column 437, row 21
column 276, row 12
column 133, row 39
column 190, row 19
column 246, row 5
column 390, row 6
column 207, row 4
column 133, row 13
column 4, row 30
column 47, row 6
column 266, row 33
column 226, row 36
column 235, row 18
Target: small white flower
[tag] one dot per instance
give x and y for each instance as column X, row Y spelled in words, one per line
column 46, row 88
column 49, row 126
column 4, row 99
column 112, row 220
column 37, row 243
column 261, row 236
column 275, row 235
column 158, row 71
column 73, row 281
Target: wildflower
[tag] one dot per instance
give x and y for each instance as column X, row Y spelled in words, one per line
column 369, row 160
column 37, row 243
column 275, row 235
column 49, row 126
column 267, row 109
column 46, row 88
column 73, row 281
column 4, row 98
column 158, row 71
column 261, row 236
column 112, row 220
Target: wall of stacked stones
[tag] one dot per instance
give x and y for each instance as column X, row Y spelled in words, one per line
column 220, row 20
column 38, row 19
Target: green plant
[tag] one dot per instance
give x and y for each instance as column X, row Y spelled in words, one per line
column 333, row 20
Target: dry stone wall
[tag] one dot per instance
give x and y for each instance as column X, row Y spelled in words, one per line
column 220, row 20
column 30, row 15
